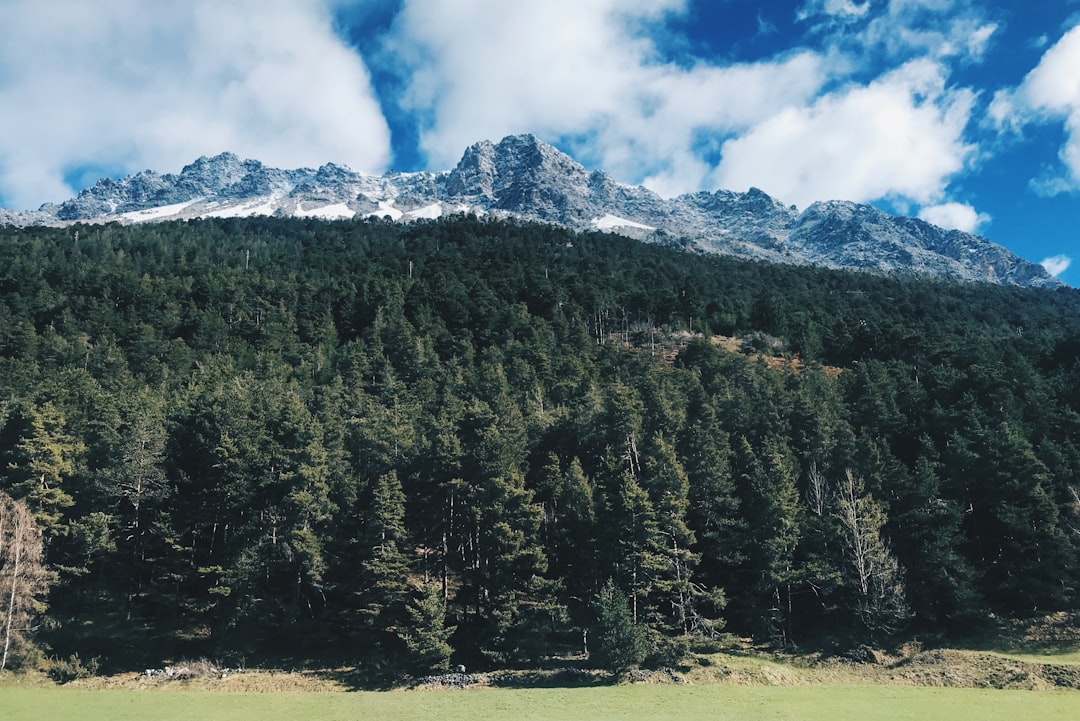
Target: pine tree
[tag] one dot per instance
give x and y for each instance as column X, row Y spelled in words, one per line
column 574, row 556
column 503, row 579
column 1011, row 523
column 382, row 584
column 675, row 592
column 618, row 641
column 44, row 458
column 713, row 511
column 426, row 635
column 137, row 487
column 770, row 501
column 929, row 534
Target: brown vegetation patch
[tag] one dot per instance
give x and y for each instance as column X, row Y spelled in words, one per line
column 970, row 669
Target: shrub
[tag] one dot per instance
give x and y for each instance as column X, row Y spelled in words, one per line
column 72, row 668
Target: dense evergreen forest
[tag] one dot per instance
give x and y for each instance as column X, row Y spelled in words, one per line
column 488, row 442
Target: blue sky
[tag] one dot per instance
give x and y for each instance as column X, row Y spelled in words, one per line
column 964, row 113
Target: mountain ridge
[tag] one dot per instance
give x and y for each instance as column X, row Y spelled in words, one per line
column 523, row 177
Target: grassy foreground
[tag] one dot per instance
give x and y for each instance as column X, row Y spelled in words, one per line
column 807, row 703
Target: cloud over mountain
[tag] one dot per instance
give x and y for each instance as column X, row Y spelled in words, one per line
column 121, row 84
column 879, row 101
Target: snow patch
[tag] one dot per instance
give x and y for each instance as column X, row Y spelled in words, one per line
column 386, row 209
column 164, row 211
column 613, row 221
column 336, row 211
column 428, row 212
column 258, row 206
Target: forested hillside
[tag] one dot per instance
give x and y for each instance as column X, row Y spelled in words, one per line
column 475, row 440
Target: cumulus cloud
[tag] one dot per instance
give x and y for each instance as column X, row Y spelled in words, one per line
column 955, row 216
column 581, row 71
column 125, row 85
column 1057, row 265
column 901, row 135
column 122, row 86
column 1049, row 93
column 584, row 74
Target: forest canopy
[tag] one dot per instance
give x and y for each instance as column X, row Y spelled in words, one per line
column 473, row 440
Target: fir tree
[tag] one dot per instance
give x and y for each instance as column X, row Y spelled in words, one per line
column 426, row 635
column 382, row 584
column 618, row 642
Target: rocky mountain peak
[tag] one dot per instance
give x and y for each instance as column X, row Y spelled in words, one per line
column 474, row 175
column 226, row 167
column 522, row 176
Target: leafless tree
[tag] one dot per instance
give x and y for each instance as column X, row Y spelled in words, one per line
column 817, row 491
column 872, row 570
column 23, row 577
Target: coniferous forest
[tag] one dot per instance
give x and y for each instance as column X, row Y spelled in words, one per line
column 481, row 442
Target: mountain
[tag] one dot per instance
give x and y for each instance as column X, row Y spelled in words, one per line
column 523, row 177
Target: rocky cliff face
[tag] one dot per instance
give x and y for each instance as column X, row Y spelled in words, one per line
column 523, row 177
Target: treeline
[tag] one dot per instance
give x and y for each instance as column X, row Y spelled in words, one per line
column 478, row 440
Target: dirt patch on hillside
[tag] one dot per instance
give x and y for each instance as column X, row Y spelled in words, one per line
column 973, row 669
column 1016, row 661
column 941, row 668
column 1052, row 634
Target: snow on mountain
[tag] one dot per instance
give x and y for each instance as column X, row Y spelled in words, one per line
column 611, row 222
column 525, row 178
column 336, row 211
column 428, row 212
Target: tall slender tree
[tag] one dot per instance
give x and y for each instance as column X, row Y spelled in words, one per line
column 770, row 501
column 23, row 577
column 384, row 569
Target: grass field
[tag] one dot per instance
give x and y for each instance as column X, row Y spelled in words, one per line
column 645, row 702
column 1064, row 657
column 1031, row 671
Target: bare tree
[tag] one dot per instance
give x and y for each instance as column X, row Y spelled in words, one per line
column 23, row 578
column 817, row 491
column 872, row 570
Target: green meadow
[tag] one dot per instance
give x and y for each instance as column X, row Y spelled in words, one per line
column 622, row 703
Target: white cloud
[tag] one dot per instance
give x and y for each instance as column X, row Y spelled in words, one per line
column 580, row 69
column 955, row 29
column 156, row 87
column 847, row 7
column 582, row 73
column 935, row 30
column 901, row 135
column 128, row 85
column 1056, row 265
column 1054, row 85
column 955, row 216
column 842, row 9
column 1049, row 93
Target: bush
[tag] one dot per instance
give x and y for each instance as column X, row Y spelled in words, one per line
column 72, row 668
column 668, row 652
